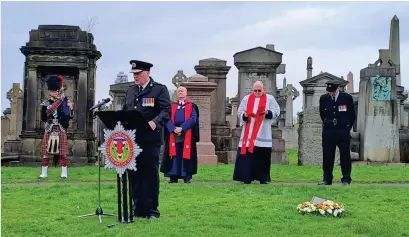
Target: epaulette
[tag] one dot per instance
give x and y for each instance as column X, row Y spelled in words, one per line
column 157, row 83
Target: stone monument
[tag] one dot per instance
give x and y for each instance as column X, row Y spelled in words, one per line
column 199, row 90
column 121, row 78
column 394, row 46
column 216, row 71
column 350, row 86
column 309, row 67
column 378, row 118
column 12, row 142
column 5, row 127
column 70, row 52
column 259, row 64
column 310, row 124
column 289, row 133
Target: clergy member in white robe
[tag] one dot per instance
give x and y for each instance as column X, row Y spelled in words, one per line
column 255, row 114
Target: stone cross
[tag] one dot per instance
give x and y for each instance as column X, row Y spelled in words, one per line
column 179, row 78
column 199, row 90
column 15, row 95
column 289, row 93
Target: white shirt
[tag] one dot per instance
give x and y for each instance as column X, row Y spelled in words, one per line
column 264, row 136
column 181, row 103
column 336, row 95
column 146, row 83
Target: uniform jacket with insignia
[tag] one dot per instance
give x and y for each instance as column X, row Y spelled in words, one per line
column 342, row 110
column 60, row 116
column 154, row 104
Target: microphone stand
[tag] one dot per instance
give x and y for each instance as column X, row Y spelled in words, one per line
column 99, row 212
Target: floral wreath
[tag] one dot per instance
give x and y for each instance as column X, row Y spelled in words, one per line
column 323, row 208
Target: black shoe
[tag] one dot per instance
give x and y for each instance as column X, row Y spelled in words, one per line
column 152, row 217
column 187, row 181
column 173, row 181
column 264, row 182
column 325, row 183
column 246, row 182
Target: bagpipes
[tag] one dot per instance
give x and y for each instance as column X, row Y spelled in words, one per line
column 65, row 99
column 54, row 137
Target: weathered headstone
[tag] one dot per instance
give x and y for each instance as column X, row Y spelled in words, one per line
column 216, row 71
column 15, row 95
column 315, row 86
column 310, row 138
column 257, row 64
column 310, row 124
column 378, row 118
column 5, row 127
column 199, row 90
column 70, row 52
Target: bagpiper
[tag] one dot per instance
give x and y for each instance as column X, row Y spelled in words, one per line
column 55, row 113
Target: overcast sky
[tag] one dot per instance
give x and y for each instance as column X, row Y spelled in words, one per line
column 340, row 37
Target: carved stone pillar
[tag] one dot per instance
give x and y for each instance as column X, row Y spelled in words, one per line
column 31, row 100
column 81, row 107
column 199, row 91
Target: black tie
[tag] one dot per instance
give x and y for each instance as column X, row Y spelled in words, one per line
column 139, row 89
column 333, row 99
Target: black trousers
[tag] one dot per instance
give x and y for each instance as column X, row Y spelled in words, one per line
column 145, row 182
column 331, row 138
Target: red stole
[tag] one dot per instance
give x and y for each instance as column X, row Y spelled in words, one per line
column 188, row 134
column 258, row 116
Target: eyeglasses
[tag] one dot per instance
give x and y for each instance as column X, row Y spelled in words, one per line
column 257, row 90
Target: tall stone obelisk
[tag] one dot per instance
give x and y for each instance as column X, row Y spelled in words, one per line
column 394, row 46
column 350, row 86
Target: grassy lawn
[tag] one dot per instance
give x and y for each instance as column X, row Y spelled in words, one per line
column 206, row 210
column 279, row 173
column 212, row 205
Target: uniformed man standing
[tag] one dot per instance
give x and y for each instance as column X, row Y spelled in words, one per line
column 338, row 115
column 153, row 101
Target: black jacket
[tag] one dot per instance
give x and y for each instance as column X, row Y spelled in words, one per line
column 158, row 95
column 342, row 110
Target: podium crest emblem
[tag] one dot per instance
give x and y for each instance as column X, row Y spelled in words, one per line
column 120, row 149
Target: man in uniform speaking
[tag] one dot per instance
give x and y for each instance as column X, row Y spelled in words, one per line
column 153, row 101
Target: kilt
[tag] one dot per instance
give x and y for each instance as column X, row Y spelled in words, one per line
column 63, row 146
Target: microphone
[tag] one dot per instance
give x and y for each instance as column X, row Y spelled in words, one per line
column 104, row 101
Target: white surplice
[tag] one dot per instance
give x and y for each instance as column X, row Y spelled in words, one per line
column 264, row 136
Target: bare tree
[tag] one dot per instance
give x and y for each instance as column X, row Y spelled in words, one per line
column 89, row 24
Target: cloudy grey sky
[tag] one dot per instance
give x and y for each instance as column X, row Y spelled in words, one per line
column 340, row 37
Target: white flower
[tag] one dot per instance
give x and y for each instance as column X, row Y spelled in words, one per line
column 336, row 213
column 322, row 212
column 329, row 211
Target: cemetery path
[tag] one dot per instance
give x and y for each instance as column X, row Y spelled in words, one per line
column 66, row 182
